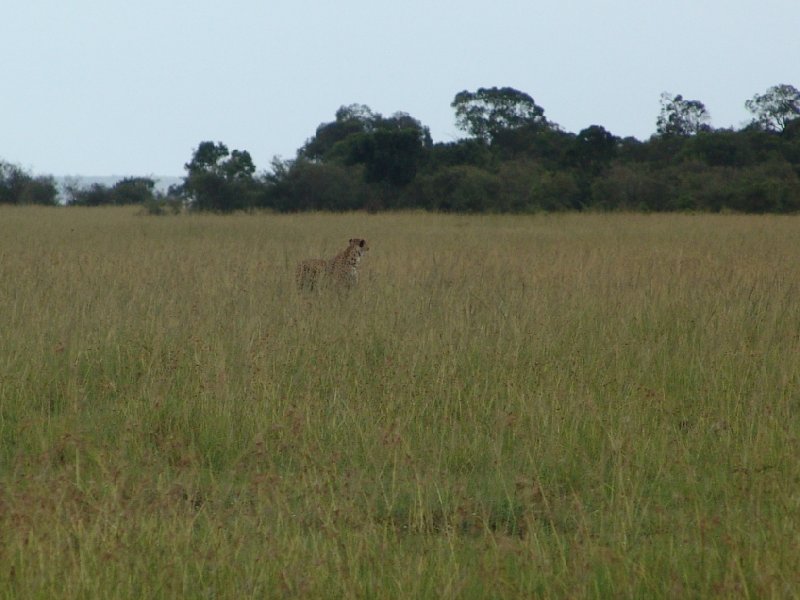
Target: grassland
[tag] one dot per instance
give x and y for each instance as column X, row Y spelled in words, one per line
column 547, row 406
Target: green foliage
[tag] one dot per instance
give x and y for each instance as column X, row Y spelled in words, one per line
column 556, row 191
column 632, row 187
column 516, row 161
column 549, row 145
column 593, row 149
column 19, row 187
column 304, row 185
column 776, row 108
column 512, row 160
column 490, row 111
column 722, row 148
column 96, row 194
column 681, row 117
column 389, row 156
column 457, row 189
column 770, row 187
column 220, row 181
column 360, row 160
column 131, row 190
column 356, row 125
column 39, row 190
column 350, row 120
column 471, row 151
column 134, row 190
column 518, row 180
column 526, row 186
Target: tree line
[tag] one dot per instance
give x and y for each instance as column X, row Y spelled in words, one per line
column 511, row 159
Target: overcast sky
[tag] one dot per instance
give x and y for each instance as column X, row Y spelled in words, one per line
column 113, row 87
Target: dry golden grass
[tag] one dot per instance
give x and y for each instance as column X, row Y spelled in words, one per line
column 549, row 406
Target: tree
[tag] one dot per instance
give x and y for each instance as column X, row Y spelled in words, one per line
column 19, row 187
column 220, row 180
column 357, row 113
column 389, row 157
column 490, row 111
column 40, row 190
column 722, row 148
column 332, row 141
column 467, row 151
column 774, row 109
column 681, row 117
column 308, row 185
column 593, row 148
column 96, row 194
column 391, row 150
column 133, row 190
column 456, row 189
column 350, row 120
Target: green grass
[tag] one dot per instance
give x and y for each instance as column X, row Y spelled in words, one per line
column 549, row 406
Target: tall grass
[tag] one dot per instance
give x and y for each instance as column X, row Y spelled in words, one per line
column 550, row 406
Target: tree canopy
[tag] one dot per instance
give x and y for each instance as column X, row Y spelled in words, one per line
column 130, row 190
column 19, row 187
column 488, row 112
column 514, row 159
column 220, row 180
column 776, row 108
column 680, row 116
column 511, row 159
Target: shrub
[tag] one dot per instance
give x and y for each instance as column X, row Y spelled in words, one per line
column 303, row 185
column 457, row 189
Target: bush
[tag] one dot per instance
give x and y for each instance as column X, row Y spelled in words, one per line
column 18, row 187
column 555, row 191
column 303, row 185
column 131, row 190
column 632, row 187
column 163, row 205
column 526, row 186
column 771, row 187
column 456, row 189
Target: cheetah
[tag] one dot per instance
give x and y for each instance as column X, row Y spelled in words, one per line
column 341, row 270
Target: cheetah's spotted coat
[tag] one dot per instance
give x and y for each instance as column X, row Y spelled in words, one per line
column 341, row 270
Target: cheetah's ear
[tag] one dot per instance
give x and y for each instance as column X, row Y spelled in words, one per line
column 353, row 241
column 362, row 242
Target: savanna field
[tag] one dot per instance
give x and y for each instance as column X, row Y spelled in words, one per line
column 584, row 405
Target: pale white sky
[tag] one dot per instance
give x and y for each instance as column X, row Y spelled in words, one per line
column 114, row 87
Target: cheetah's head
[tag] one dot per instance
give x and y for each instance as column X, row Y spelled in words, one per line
column 359, row 245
